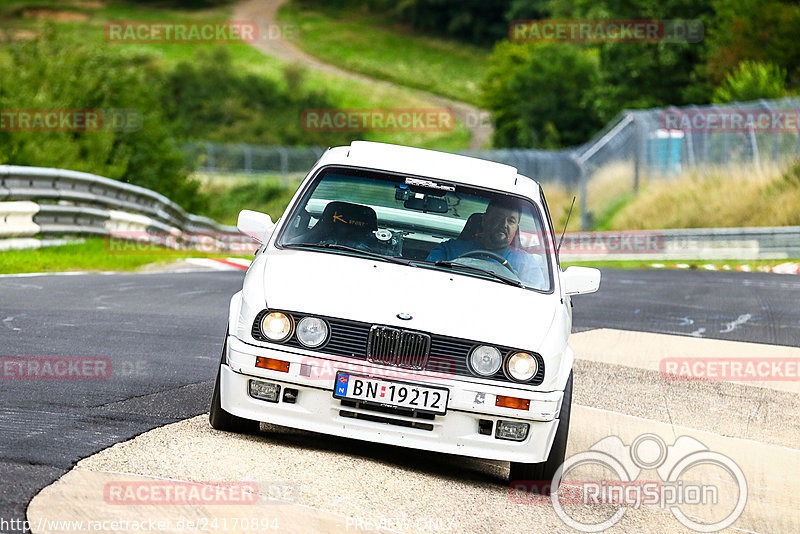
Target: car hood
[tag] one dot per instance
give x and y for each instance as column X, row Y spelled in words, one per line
column 440, row 302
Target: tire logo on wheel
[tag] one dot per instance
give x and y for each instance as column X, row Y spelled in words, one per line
column 671, row 463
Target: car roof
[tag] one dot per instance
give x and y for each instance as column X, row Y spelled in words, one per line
column 431, row 164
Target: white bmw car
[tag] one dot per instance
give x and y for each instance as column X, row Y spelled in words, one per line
column 407, row 297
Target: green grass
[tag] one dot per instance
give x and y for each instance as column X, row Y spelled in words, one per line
column 729, row 197
column 342, row 92
column 603, row 221
column 231, row 194
column 98, row 254
column 377, row 46
column 94, row 254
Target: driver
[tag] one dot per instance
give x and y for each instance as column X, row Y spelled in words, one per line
column 499, row 227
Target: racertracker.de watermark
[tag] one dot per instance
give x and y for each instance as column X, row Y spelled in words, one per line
column 180, row 493
column 132, row 31
column 612, row 242
column 731, row 120
column 70, row 120
column 730, row 369
column 142, row 242
column 174, row 492
column 606, row 31
column 54, row 368
column 325, row 370
column 378, row 120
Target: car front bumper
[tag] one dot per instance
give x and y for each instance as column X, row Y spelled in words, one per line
column 315, row 409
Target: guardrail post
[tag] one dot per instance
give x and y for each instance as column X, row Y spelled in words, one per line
column 248, row 159
column 797, row 145
column 284, row 154
column 210, row 157
column 583, row 178
column 585, row 216
column 637, row 148
column 754, row 143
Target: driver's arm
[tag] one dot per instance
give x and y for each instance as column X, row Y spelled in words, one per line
column 440, row 252
column 530, row 272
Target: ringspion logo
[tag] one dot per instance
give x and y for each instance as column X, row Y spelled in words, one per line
column 691, row 478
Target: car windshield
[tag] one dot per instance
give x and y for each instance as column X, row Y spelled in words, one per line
column 423, row 223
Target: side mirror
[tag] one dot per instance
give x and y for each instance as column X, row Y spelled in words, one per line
column 580, row 280
column 257, row 225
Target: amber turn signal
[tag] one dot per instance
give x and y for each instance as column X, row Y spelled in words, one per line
column 272, row 365
column 512, row 402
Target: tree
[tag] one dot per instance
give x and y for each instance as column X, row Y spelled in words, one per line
column 537, row 93
column 752, row 80
column 642, row 74
column 759, row 30
column 55, row 73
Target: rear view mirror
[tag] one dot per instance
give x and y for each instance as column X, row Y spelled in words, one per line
column 580, row 280
column 426, row 203
column 257, row 225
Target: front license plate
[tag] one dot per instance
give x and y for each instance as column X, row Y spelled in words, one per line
column 390, row 393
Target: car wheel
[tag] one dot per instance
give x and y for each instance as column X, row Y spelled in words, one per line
column 219, row 418
column 540, row 476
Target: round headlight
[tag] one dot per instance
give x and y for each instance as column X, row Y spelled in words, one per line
column 521, row 366
column 312, row 331
column 276, row 326
column 485, row 360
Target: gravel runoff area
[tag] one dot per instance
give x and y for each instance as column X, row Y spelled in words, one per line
column 313, row 483
column 335, row 485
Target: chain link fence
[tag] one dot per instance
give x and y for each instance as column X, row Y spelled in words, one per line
column 650, row 144
column 216, row 158
column 663, row 142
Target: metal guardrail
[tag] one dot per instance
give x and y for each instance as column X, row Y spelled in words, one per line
column 757, row 243
column 53, row 202
column 44, row 201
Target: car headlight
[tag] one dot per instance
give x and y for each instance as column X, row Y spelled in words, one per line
column 521, row 366
column 312, row 331
column 277, row 326
column 485, row 360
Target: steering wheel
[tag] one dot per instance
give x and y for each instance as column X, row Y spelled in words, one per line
column 491, row 255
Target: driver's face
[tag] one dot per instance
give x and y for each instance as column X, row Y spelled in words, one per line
column 499, row 227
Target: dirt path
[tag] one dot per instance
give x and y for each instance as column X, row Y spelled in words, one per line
column 264, row 14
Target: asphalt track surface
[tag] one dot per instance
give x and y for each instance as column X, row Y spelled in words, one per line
column 162, row 334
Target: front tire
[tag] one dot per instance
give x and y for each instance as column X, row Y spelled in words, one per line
column 218, row 417
column 540, row 475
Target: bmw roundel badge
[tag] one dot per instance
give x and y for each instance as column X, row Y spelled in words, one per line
column 404, row 316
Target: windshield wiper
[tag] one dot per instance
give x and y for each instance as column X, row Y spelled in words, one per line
column 505, row 279
column 345, row 248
